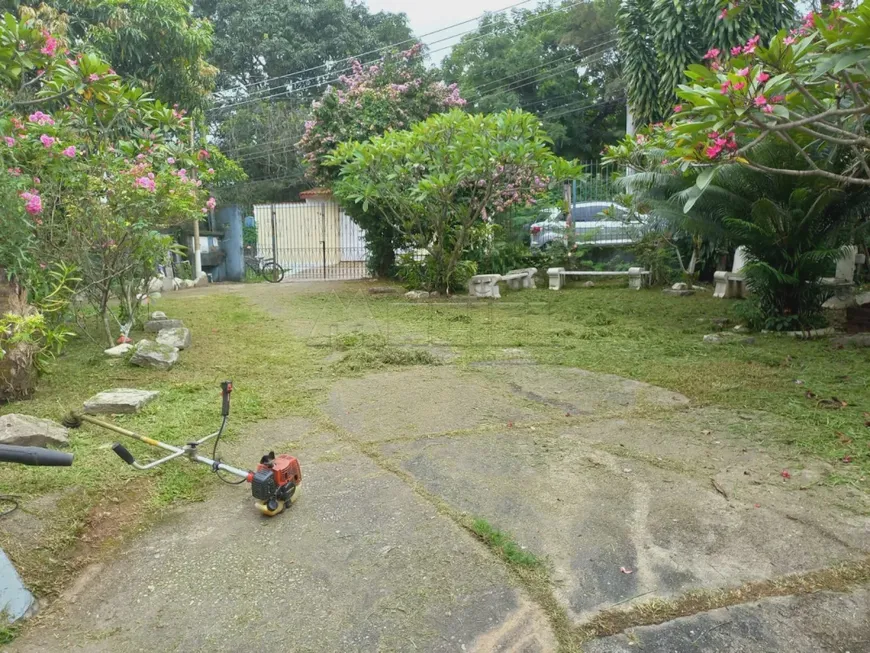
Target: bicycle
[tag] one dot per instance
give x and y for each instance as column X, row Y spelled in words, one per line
column 265, row 267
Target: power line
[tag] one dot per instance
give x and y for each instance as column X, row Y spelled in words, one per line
column 291, row 91
column 559, row 114
column 387, row 48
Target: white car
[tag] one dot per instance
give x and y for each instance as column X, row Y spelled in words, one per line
column 603, row 224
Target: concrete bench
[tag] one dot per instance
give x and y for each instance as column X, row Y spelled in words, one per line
column 558, row 276
column 486, row 285
column 732, row 285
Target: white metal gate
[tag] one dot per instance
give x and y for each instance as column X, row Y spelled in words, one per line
column 311, row 240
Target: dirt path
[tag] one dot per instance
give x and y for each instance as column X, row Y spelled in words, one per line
column 658, row 525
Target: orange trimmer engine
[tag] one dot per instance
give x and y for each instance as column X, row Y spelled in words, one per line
column 276, row 482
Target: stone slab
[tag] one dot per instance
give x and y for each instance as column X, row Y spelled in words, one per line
column 426, row 400
column 592, row 504
column 825, row 622
column 359, row 563
column 29, row 431
column 119, row 401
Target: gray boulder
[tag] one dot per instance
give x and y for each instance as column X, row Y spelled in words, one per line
column 119, row 401
column 153, row 354
column 678, row 293
column 384, row 290
column 118, row 351
column 417, row 294
column 156, row 326
column 28, row 431
column 178, row 337
column 201, row 280
column 589, row 284
column 862, row 298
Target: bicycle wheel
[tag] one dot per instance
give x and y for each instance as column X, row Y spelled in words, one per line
column 272, row 272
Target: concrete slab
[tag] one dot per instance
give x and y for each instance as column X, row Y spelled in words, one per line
column 359, row 563
column 826, row 622
column 595, row 508
column 577, row 391
column 426, row 400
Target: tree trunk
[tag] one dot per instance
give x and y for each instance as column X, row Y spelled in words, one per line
column 17, row 364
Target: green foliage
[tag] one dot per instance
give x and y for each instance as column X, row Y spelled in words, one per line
column 249, row 236
column 659, row 39
column 504, row 544
column 153, row 43
column 437, row 183
column 654, row 252
column 422, row 273
column 808, row 89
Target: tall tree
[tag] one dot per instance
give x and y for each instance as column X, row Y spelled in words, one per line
column 556, row 61
column 275, row 57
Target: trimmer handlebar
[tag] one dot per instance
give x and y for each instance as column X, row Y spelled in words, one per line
column 10, row 453
column 226, row 390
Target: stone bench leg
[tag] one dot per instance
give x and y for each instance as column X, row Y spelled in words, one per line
column 737, row 287
column 529, row 279
column 484, row 286
column 635, row 278
column 516, row 283
column 723, row 289
column 557, row 278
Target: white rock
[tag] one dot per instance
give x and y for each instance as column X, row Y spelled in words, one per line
column 178, row 337
column 158, row 315
column 119, row 350
column 680, row 286
column 154, row 354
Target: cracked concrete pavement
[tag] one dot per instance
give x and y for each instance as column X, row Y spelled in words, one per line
column 596, row 474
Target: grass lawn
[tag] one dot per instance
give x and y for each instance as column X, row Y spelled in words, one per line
column 273, row 347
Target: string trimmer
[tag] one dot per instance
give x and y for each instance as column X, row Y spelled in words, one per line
column 274, row 484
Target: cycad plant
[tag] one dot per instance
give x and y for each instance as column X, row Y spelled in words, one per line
column 793, row 228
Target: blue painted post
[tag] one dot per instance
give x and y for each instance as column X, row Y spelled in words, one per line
column 574, row 193
column 15, row 601
column 229, row 218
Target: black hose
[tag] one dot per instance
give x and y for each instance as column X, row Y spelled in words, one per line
column 9, row 498
column 217, row 460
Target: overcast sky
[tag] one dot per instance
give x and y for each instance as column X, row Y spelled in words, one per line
column 427, row 16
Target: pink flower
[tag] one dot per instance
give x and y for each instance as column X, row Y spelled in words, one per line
column 9, row 141
column 211, row 203
column 203, row 154
column 40, row 118
column 776, row 99
column 170, row 160
column 70, row 151
column 789, row 40
column 837, row 5
column 712, row 53
column 743, row 72
column 37, row 181
column 71, row 63
column 760, row 101
column 739, row 86
column 678, row 108
column 47, row 140
column 93, row 77
column 713, row 151
column 725, row 87
column 140, row 156
column 736, row 50
column 768, row 108
column 15, row 172
column 146, row 183
column 50, row 46
column 33, row 202
column 723, row 14
column 762, row 77
column 211, row 171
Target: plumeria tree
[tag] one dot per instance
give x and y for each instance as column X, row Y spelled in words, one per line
column 93, row 168
column 438, row 182
column 393, row 94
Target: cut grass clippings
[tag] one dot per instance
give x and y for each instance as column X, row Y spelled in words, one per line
column 645, row 336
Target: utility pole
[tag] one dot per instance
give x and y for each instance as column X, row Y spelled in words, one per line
column 197, row 255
